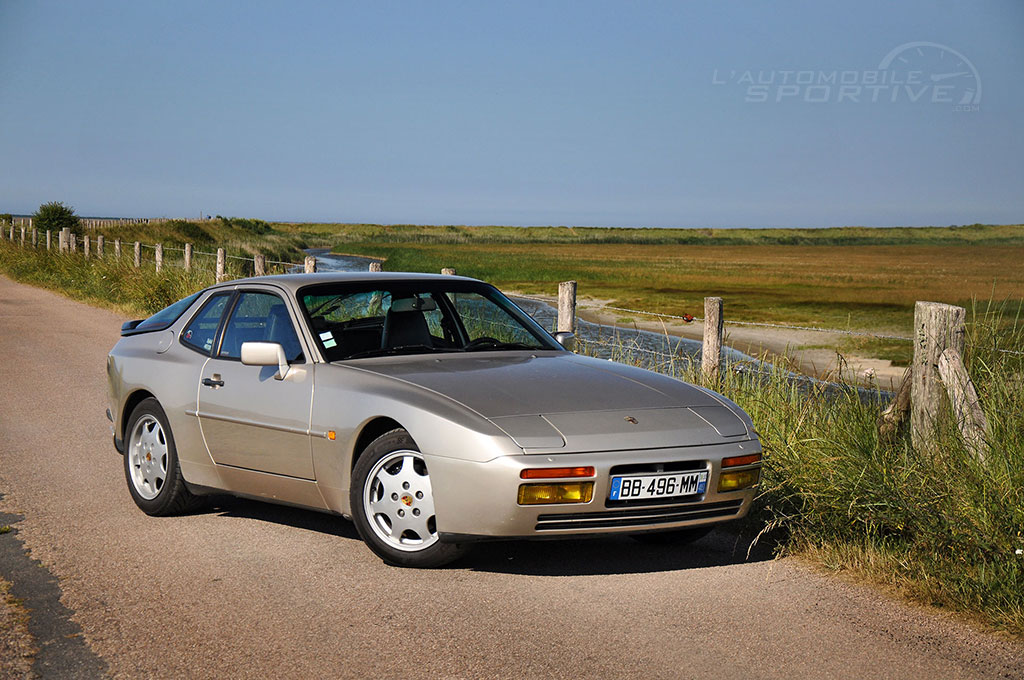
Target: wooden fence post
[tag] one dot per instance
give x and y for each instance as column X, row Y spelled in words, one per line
column 714, row 327
column 117, row 249
column 188, row 257
column 448, row 271
column 138, row 255
column 23, row 236
column 85, row 245
column 35, row 238
column 73, row 242
column 936, row 328
column 964, row 400
column 12, row 232
column 220, row 265
column 48, row 242
column 159, row 257
column 259, row 265
column 375, row 266
column 309, row 266
column 99, row 246
column 566, row 307
column 62, row 241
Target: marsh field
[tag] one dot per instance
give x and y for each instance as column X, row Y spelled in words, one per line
column 844, row 278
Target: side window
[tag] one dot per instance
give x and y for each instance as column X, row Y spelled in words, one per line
column 260, row 317
column 199, row 333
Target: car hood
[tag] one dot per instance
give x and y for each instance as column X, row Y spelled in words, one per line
column 568, row 402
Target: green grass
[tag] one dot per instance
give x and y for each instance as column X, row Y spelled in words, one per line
column 935, row 524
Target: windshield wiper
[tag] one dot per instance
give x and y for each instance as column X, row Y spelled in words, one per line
column 404, row 349
column 494, row 346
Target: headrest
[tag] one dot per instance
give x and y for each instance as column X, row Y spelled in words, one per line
column 413, row 304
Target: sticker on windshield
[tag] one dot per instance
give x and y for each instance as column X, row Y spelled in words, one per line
column 328, row 339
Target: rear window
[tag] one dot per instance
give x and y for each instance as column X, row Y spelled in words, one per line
column 166, row 316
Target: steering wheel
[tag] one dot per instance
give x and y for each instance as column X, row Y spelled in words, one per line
column 482, row 341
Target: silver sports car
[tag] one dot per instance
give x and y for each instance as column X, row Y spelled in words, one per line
column 429, row 410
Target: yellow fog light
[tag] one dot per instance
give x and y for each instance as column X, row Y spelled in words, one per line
column 541, row 494
column 741, row 479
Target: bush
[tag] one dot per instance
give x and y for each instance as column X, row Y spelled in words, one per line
column 6, row 218
column 55, row 216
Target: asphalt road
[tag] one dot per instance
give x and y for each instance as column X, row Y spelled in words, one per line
column 254, row 590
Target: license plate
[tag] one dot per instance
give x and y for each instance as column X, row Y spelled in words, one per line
column 658, row 486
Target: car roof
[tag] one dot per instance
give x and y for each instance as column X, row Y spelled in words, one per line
column 293, row 282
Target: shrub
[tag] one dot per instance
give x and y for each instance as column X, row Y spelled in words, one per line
column 6, row 218
column 55, row 216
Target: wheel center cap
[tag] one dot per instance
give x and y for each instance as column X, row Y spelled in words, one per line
column 406, row 499
column 149, row 457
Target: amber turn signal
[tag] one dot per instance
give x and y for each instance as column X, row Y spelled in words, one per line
column 741, row 479
column 556, row 473
column 543, row 494
column 741, row 460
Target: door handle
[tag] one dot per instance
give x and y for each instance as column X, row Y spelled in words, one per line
column 210, row 382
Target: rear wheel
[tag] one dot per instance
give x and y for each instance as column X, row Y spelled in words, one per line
column 151, row 463
column 393, row 504
column 673, row 537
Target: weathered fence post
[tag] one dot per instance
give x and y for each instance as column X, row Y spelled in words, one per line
column 936, row 328
column 48, row 242
column 138, row 255
column 73, row 242
column 85, row 245
column 375, row 266
column 35, row 238
column 159, row 257
column 12, row 232
column 259, row 265
column 566, row 307
column 188, row 257
column 714, row 327
column 23, row 236
column 448, row 271
column 117, row 249
column 99, row 246
column 964, row 400
column 62, row 241
column 309, row 266
column 220, row 265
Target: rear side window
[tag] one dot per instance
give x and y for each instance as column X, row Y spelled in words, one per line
column 200, row 332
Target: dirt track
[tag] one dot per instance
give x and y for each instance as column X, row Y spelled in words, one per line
column 251, row 590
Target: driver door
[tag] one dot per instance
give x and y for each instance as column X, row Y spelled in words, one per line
column 250, row 419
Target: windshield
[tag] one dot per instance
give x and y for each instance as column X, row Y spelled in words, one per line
column 366, row 319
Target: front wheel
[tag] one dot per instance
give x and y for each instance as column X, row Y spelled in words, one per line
column 393, row 504
column 151, row 463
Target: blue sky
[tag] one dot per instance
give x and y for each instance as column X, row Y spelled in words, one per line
column 581, row 113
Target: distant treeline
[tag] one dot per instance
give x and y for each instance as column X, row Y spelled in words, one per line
column 405, row 233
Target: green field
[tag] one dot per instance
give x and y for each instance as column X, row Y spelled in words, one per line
column 846, row 278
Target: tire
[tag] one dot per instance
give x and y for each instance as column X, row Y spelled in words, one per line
column 393, row 504
column 151, row 463
column 673, row 537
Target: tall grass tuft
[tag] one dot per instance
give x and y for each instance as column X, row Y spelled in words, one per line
column 936, row 524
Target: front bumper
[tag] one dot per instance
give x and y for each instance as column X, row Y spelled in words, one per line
column 478, row 501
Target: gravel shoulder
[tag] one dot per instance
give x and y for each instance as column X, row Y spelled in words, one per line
column 253, row 590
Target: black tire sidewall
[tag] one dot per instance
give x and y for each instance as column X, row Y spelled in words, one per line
column 435, row 555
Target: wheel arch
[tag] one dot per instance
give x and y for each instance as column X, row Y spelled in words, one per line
column 371, row 430
column 133, row 400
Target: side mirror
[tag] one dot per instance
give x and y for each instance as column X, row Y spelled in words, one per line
column 266, row 354
column 566, row 340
